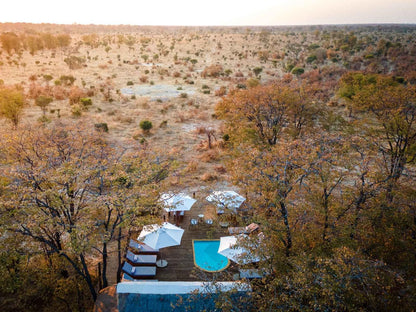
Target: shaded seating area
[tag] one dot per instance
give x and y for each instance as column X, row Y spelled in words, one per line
column 139, row 272
column 137, row 247
column 140, row 259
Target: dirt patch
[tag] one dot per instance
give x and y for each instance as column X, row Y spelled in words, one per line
column 107, row 300
column 160, row 91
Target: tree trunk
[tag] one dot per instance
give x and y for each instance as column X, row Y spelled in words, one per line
column 88, row 277
column 104, row 270
column 284, row 213
column 326, row 212
column 119, row 255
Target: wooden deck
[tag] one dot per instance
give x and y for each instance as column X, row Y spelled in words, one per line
column 180, row 258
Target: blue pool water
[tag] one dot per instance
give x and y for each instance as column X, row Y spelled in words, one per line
column 206, row 256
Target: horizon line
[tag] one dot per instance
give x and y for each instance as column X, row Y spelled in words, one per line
column 248, row 25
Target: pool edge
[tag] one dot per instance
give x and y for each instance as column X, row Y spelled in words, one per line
column 193, row 255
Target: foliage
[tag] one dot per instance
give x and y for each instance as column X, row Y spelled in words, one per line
column 85, row 102
column 74, row 62
column 264, row 112
column 12, row 103
column 78, row 191
column 212, row 71
column 146, row 125
column 297, row 71
column 102, row 126
column 43, row 102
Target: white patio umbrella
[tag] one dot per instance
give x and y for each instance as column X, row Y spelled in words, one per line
column 232, row 248
column 177, row 202
column 226, row 199
column 160, row 236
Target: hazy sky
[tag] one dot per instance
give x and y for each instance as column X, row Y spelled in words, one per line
column 209, row 12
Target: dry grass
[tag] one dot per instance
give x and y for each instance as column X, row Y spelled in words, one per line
column 209, row 177
column 107, row 73
column 209, row 156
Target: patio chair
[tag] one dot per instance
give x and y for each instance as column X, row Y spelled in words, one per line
column 139, row 272
column 140, row 259
column 141, row 248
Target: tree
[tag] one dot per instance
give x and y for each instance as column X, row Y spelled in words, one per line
column 70, row 192
column 393, row 109
column 274, row 175
column 12, row 103
column 43, row 102
column 10, row 42
column 264, row 113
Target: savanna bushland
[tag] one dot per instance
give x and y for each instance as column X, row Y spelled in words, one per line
column 316, row 125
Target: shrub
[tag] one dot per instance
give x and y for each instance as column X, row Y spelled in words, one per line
column 183, row 95
column 206, row 177
column 85, row 102
column 130, row 83
column 298, row 71
column 75, row 94
column 74, row 62
column 144, row 79
column 102, row 127
column 221, row 91
column 212, row 71
column 76, row 111
column 251, row 82
column 310, row 58
column 257, row 70
column 67, row 80
column 146, row 125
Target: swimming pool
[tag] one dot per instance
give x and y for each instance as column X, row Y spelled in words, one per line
column 206, row 256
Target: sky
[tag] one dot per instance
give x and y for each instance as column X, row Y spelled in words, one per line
column 209, row 12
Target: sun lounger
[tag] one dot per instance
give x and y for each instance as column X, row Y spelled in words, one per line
column 250, row 273
column 128, row 278
column 140, row 248
column 141, row 272
column 236, row 230
column 140, row 259
column 243, row 230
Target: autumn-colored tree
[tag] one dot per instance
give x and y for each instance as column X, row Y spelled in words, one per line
column 274, row 175
column 71, row 192
column 264, row 112
column 43, row 102
column 389, row 116
column 12, row 102
column 10, row 42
